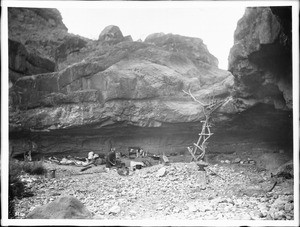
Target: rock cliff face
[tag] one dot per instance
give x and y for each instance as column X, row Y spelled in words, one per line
column 23, row 63
column 38, row 41
column 120, row 93
column 261, row 62
column 260, row 59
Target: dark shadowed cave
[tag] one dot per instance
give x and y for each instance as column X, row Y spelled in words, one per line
column 259, row 127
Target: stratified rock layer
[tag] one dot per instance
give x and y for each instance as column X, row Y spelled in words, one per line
column 133, row 83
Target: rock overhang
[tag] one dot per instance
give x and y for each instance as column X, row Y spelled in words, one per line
column 129, row 76
column 261, row 58
column 110, row 90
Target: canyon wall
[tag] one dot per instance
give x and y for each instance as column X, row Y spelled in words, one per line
column 79, row 95
column 261, row 58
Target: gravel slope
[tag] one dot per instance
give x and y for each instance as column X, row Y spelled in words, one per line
column 240, row 195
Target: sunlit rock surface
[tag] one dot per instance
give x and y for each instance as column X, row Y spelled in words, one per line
column 114, row 92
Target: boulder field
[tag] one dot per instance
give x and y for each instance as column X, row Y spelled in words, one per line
column 70, row 94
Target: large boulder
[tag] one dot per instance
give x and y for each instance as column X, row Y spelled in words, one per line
column 260, row 59
column 111, row 34
column 192, row 47
column 62, row 208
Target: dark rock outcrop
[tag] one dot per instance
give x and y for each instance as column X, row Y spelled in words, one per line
column 261, row 58
column 62, row 208
column 71, row 45
column 261, row 62
column 39, row 30
column 42, row 40
column 22, row 63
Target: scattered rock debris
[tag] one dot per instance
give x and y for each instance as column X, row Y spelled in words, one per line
column 161, row 172
column 166, row 192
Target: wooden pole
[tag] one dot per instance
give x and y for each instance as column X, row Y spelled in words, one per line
column 208, row 109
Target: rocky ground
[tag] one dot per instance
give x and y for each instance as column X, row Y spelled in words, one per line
column 233, row 191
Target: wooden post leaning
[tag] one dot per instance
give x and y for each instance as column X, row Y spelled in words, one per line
column 198, row 150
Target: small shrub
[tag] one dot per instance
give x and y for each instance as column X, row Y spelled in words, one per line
column 182, row 152
column 34, row 168
column 11, row 209
column 17, row 188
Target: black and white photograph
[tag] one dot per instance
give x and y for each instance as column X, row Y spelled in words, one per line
column 150, row 113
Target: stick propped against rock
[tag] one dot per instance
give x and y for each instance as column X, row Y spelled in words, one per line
column 205, row 134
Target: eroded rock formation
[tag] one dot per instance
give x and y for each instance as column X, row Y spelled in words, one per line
column 38, row 41
column 194, row 48
column 260, row 59
column 23, row 63
column 261, row 62
column 117, row 92
column 112, row 35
